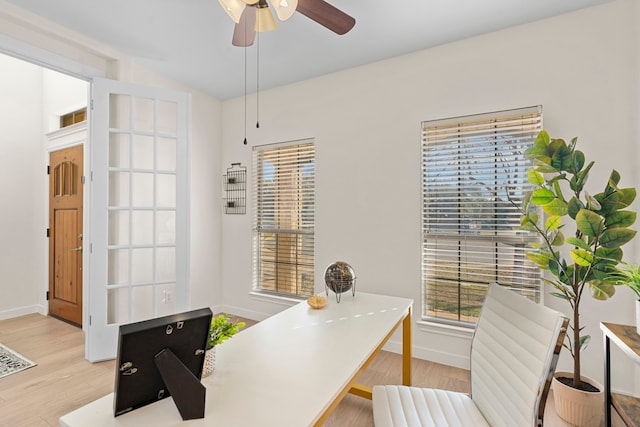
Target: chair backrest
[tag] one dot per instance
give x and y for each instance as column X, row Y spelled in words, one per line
column 514, row 353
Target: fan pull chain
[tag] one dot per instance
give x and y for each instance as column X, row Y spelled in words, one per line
column 258, row 82
column 245, row 93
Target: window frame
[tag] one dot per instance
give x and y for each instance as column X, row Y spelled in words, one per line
column 290, row 238
column 473, row 132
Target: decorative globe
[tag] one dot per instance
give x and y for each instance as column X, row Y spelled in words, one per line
column 340, row 277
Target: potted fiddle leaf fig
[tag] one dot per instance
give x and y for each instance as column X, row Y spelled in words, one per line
column 581, row 238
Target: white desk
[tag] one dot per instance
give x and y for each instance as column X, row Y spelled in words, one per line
column 291, row 369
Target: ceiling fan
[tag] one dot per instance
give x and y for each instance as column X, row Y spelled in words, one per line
column 253, row 16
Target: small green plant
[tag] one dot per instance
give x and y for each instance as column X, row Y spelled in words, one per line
column 628, row 275
column 599, row 224
column 221, row 329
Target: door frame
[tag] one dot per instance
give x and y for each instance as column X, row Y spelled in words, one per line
column 59, row 139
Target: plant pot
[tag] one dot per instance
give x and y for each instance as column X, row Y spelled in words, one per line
column 577, row 407
column 638, row 316
column 209, row 362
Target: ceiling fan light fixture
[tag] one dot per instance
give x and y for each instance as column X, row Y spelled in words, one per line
column 250, row 1
column 264, row 18
column 284, row 8
column 234, row 8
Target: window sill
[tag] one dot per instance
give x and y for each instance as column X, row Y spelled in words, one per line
column 445, row 329
column 273, row 298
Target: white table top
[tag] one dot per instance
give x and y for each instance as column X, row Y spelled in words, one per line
column 283, row 371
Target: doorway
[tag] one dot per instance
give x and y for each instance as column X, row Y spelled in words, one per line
column 66, row 234
column 34, row 99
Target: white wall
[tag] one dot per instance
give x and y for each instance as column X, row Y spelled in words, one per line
column 581, row 67
column 21, row 188
column 62, row 94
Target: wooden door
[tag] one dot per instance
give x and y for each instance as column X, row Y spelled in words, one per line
column 65, row 234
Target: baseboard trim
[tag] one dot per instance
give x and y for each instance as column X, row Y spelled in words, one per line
column 22, row 311
column 431, row 355
column 249, row 314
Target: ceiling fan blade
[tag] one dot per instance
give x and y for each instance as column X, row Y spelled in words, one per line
column 326, row 15
column 244, row 32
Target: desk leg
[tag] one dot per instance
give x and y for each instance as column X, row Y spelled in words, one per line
column 607, row 382
column 406, row 349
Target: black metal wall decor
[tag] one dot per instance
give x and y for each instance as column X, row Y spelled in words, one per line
column 235, row 188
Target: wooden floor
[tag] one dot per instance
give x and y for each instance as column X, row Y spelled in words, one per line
column 64, row 380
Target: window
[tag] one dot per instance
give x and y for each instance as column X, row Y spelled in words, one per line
column 471, row 166
column 73, row 118
column 284, row 218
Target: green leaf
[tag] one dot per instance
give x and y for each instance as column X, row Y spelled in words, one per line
column 620, row 219
column 542, row 196
column 530, row 218
column 553, row 222
column 582, row 176
column 557, row 190
column 574, row 141
column 627, row 196
column 543, row 167
column 616, row 237
column 526, row 201
column 601, row 290
column 589, row 223
column 543, row 137
column 609, row 202
column 612, row 184
column 577, row 161
column 578, row 243
column 562, row 287
column 535, row 177
column 574, row 206
column 540, row 259
column 592, row 203
column 556, row 208
column 560, row 295
column 581, row 257
column 603, row 269
column 584, row 341
column 561, row 158
column 573, row 184
column 609, row 253
column 558, row 238
column 614, row 200
column 539, row 147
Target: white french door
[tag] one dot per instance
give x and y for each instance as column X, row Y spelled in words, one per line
column 139, row 235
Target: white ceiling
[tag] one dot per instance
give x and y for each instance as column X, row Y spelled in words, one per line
column 190, row 40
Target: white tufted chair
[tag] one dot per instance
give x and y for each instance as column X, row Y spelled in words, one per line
column 514, row 353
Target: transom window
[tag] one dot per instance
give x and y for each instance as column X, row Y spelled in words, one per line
column 471, row 167
column 284, row 218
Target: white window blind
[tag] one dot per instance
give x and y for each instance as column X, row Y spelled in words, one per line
column 470, row 228
column 284, row 218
